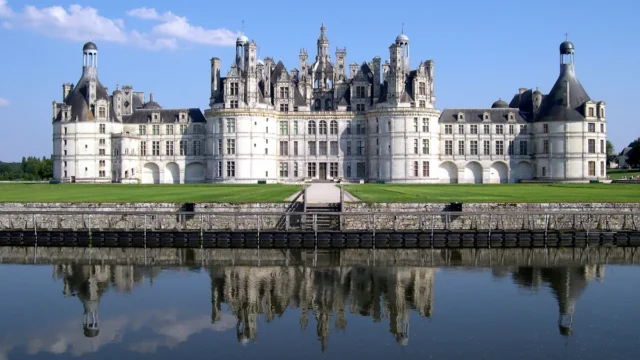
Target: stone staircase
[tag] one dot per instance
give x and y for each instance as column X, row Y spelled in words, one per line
column 325, row 219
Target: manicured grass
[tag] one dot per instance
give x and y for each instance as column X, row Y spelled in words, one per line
column 622, row 173
column 531, row 193
column 145, row 193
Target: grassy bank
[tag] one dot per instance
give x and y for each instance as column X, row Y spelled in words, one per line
column 145, row 193
column 622, row 173
column 523, row 193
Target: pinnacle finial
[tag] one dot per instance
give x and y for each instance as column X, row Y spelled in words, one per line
column 402, row 31
column 566, row 36
column 242, row 31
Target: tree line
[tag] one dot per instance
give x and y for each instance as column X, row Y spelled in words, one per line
column 29, row 169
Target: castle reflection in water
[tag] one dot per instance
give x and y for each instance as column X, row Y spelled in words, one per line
column 325, row 294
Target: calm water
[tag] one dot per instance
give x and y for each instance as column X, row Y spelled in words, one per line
column 562, row 307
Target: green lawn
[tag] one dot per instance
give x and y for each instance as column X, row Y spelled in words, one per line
column 621, row 173
column 145, row 193
column 532, row 193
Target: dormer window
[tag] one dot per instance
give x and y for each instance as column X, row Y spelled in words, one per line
column 460, row 116
column 511, row 116
column 102, row 112
column 591, row 112
column 485, row 116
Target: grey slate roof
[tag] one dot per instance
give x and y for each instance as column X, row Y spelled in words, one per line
column 298, row 99
column 141, row 116
column 498, row 115
column 89, row 46
column 556, row 106
column 78, row 99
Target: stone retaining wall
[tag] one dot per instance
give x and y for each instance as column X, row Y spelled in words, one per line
column 415, row 217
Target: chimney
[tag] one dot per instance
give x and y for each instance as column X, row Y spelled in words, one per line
column 150, row 97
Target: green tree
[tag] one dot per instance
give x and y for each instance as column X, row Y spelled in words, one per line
column 634, row 153
column 611, row 150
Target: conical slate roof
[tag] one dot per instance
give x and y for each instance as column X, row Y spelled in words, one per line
column 564, row 101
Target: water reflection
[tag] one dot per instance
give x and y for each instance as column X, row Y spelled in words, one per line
column 244, row 296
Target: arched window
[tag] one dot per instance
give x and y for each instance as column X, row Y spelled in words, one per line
column 323, row 127
column 334, row 127
column 327, row 104
column 311, row 128
column 317, row 105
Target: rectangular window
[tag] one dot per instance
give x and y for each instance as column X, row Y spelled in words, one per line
column 602, row 168
column 545, row 146
column 545, row 128
column 155, row 148
column 334, row 147
column 359, row 107
column 233, row 88
column 425, row 125
column 422, row 104
column 361, row 148
column 460, row 129
column 448, row 147
column 169, row 148
column 183, row 129
column 233, row 104
column 602, row 149
column 323, row 148
column 591, row 112
column 143, row 148
column 348, row 147
column 511, row 130
column 487, row 129
column 103, row 128
column 284, row 169
column 155, row 129
column 102, row 142
column 425, row 146
column 425, row 169
column 102, row 173
column 510, row 149
column 415, row 124
column 183, row 148
column 333, row 169
column 295, row 148
column 473, row 129
column 348, row 170
column 284, row 148
column 601, row 128
column 142, row 129
column 360, row 93
column 220, row 152
column 101, row 163
column 284, row 92
column 544, row 171
column 231, row 168
column 348, row 127
column 169, row 129
column 415, row 146
column 220, row 127
column 592, row 127
column 100, row 152
column 360, row 170
column 416, row 169
column 499, row 129
column 284, row 107
column 311, row 170
column 295, row 127
column 473, row 147
column 592, row 168
column 197, row 147
column 524, row 148
column 460, row 147
column 219, row 169
column 448, row 129
column 231, row 146
column 523, row 129
column 486, row 147
column 499, row 147
column 231, row 126
column 422, row 88
column 295, row 169
column 102, row 113
column 592, row 146
column 360, row 128
column 312, row 148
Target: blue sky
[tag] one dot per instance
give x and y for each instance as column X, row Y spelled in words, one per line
column 483, row 50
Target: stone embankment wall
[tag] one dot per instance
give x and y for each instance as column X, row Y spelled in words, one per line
column 356, row 216
column 352, row 257
column 494, row 216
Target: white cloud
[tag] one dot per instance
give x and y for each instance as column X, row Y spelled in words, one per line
column 79, row 23
column 178, row 27
column 4, row 102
